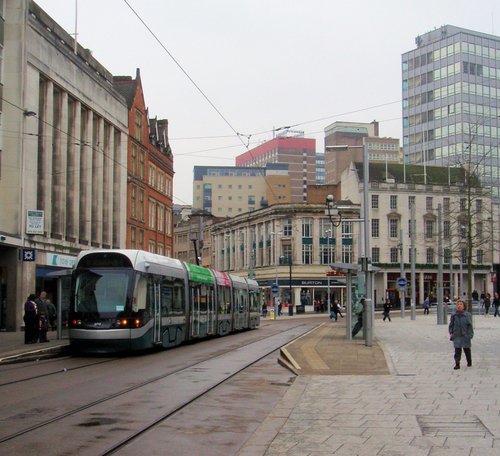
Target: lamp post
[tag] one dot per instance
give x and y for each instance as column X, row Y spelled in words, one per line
column 329, row 302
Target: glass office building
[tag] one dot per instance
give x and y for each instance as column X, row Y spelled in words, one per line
column 451, row 89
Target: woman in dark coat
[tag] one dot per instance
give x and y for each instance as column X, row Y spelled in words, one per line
column 461, row 333
column 30, row 320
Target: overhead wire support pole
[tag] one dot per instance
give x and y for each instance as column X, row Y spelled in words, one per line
column 440, row 299
column 402, row 291
column 369, row 307
column 413, row 261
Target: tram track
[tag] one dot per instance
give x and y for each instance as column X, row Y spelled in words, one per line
column 196, row 369
column 62, row 370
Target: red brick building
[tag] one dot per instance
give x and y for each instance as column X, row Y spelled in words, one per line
column 149, row 174
column 300, row 155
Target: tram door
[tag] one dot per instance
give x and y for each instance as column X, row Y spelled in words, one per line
column 195, row 311
column 156, row 309
column 211, row 312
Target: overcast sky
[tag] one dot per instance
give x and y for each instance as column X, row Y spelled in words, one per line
column 263, row 64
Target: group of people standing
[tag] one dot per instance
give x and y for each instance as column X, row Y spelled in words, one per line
column 487, row 302
column 39, row 314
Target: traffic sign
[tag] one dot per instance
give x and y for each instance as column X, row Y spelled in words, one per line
column 402, row 282
column 274, row 288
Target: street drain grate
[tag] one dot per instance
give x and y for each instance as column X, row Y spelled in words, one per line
column 452, row 426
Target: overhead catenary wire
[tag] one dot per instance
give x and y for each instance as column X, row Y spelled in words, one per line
column 186, row 73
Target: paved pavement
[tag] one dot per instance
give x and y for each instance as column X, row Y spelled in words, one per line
column 399, row 397
column 421, row 406
column 13, row 348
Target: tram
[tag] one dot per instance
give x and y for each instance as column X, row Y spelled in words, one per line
column 131, row 300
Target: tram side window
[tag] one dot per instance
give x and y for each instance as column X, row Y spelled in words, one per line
column 238, row 301
column 227, row 300
column 171, row 298
column 254, row 301
column 143, row 297
column 179, row 300
column 224, row 300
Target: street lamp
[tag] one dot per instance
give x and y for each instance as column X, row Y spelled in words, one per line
column 332, row 211
column 330, row 235
column 366, row 260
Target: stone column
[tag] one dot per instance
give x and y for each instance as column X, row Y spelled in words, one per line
column 73, row 172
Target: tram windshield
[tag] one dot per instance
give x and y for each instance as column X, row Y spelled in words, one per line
column 101, row 292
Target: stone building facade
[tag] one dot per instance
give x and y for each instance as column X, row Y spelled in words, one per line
column 63, row 166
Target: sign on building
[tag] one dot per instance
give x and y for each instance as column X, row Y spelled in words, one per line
column 34, row 221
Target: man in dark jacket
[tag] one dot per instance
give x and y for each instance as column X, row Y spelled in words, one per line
column 30, row 320
column 43, row 316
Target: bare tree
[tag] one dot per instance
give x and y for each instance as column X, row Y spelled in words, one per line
column 471, row 218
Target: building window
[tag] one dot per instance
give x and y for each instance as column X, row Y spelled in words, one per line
column 161, row 218
column 142, row 164
column 327, row 253
column 394, row 202
column 141, row 207
column 410, row 256
column 429, row 255
column 375, row 228
column 479, row 206
column 287, row 227
column 480, row 256
column 462, row 232
column 307, row 225
column 463, row 256
column 141, row 240
column 307, row 253
column 133, row 202
column 152, row 176
column 138, row 125
column 428, row 203
column 346, row 230
column 152, row 246
column 411, row 201
column 394, row 254
column 374, row 201
column 429, row 228
column 479, row 230
column 152, row 215
column 393, row 228
column 132, row 237
column 446, row 229
column 346, row 253
column 446, row 204
column 133, row 160
column 375, row 255
column 447, row 256
column 462, row 204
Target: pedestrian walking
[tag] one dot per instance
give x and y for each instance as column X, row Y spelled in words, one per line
column 426, row 305
column 487, row 304
column 338, row 308
column 387, row 310
column 334, row 311
column 496, row 304
column 43, row 316
column 30, row 320
column 461, row 333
